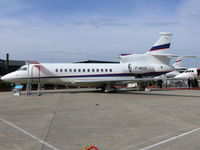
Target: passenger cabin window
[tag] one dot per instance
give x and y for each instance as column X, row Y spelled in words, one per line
column 70, row 70
column 83, row 70
column 101, row 70
column 93, row 70
column 65, row 70
column 61, row 70
column 74, row 70
column 110, row 70
column 56, row 70
column 106, row 70
column 79, row 70
column 88, row 70
column 97, row 70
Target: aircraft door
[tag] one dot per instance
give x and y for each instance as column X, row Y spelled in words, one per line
column 35, row 74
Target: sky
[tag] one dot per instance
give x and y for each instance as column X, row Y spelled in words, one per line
column 78, row 30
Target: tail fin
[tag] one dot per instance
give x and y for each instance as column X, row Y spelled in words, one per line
column 162, row 45
column 178, row 63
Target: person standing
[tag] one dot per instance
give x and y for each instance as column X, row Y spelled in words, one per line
column 198, row 79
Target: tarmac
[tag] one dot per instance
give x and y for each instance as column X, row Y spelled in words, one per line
column 73, row 119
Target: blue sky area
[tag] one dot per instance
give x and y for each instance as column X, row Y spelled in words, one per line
column 75, row 30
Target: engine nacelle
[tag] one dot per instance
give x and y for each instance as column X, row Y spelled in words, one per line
column 140, row 69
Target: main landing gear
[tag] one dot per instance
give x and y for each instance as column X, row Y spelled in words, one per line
column 108, row 88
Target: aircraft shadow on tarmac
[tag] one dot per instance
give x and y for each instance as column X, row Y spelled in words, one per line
column 129, row 92
column 156, row 94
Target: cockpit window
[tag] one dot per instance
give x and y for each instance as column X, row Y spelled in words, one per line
column 24, row 69
column 19, row 69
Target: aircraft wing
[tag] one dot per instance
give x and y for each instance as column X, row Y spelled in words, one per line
column 115, row 80
column 172, row 55
column 179, row 68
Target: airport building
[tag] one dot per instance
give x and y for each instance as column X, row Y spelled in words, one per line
column 10, row 66
column 7, row 66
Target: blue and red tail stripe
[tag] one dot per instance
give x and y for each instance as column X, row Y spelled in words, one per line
column 160, row 47
column 178, row 61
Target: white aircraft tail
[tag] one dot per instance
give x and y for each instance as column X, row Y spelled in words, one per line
column 157, row 54
column 162, row 45
column 178, row 63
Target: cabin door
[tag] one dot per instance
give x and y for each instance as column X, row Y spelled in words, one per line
column 35, row 74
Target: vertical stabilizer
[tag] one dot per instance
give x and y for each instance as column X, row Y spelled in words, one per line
column 178, row 63
column 162, row 45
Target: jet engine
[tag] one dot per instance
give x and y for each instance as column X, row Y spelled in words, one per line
column 140, row 69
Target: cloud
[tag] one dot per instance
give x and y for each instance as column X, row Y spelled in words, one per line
column 10, row 23
column 8, row 7
column 101, row 22
column 162, row 24
column 73, row 37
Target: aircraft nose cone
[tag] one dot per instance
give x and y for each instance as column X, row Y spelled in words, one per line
column 3, row 78
column 6, row 78
column 11, row 77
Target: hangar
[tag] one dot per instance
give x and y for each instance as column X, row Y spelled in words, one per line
column 7, row 66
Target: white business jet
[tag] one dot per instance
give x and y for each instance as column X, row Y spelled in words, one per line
column 178, row 69
column 190, row 73
column 132, row 68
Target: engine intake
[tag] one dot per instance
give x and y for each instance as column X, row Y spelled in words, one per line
column 138, row 69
